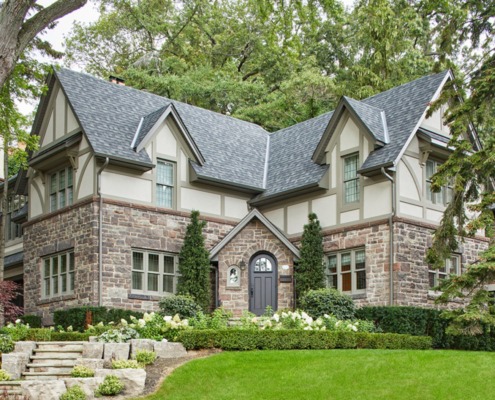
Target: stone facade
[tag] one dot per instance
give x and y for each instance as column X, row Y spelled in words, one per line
column 255, row 238
column 125, row 227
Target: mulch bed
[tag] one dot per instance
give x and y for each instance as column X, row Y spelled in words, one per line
column 162, row 367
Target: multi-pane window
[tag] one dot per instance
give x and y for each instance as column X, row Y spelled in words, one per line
column 12, row 229
column 154, row 273
column 58, row 275
column 346, row 271
column 445, row 194
column 61, row 188
column 165, row 184
column 452, row 266
column 351, row 179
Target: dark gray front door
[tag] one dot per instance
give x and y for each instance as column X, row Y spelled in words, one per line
column 262, row 284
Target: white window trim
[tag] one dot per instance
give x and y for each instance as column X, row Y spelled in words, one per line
column 448, row 272
column 442, row 197
column 353, row 270
column 70, row 262
column 161, row 273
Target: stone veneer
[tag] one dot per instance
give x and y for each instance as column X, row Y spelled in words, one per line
column 125, row 227
column 253, row 239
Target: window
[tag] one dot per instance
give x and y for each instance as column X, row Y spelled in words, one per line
column 154, row 273
column 165, row 184
column 452, row 267
column 346, row 271
column 445, row 194
column 351, row 179
column 14, row 204
column 58, row 275
column 61, row 189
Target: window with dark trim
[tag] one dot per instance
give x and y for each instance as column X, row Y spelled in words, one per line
column 351, row 179
column 165, row 184
column 154, row 272
column 58, row 275
column 12, row 229
column 346, row 271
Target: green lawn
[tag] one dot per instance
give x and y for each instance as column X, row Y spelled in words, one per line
column 334, row 374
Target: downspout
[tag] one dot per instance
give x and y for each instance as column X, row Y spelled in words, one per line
column 100, row 234
column 391, row 237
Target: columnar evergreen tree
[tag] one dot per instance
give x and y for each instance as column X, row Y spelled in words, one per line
column 194, row 264
column 310, row 271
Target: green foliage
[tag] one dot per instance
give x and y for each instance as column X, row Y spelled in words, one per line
column 46, row 335
column 145, row 357
column 123, row 364
column 328, row 301
column 118, row 335
column 76, row 317
column 241, row 339
column 194, row 264
column 309, row 272
column 111, row 386
column 34, row 321
column 181, row 305
column 4, row 375
column 430, row 322
column 74, row 393
column 6, row 343
column 17, row 331
column 80, row 371
column 219, row 319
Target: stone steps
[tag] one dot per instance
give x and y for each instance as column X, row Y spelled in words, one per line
column 11, row 390
column 53, row 360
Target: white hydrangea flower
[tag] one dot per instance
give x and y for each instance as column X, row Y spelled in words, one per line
column 123, row 322
column 167, row 318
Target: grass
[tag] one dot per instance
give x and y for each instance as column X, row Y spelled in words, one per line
column 334, row 374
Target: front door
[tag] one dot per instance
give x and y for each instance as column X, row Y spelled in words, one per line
column 262, row 284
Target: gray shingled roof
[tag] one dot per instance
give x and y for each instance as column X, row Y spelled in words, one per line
column 109, row 114
column 404, row 106
column 235, row 151
column 373, row 118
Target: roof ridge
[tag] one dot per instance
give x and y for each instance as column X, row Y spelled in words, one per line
column 302, row 122
column 406, row 84
column 364, row 104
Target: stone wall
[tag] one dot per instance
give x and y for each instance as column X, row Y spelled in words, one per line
column 254, row 238
column 411, row 284
column 125, row 227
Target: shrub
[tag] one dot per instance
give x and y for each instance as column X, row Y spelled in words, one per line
column 123, row 364
column 69, row 336
column 39, row 335
column 243, row 339
column 6, row 343
column 9, row 290
column 194, row 264
column 34, row 321
column 76, row 317
column 328, row 301
column 80, row 371
column 74, row 393
column 17, row 331
column 145, row 357
column 111, row 386
column 4, row 375
column 219, row 319
column 120, row 335
column 184, row 306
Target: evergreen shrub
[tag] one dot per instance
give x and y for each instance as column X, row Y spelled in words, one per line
column 183, row 305
column 34, row 321
column 111, row 386
column 74, row 393
column 328, row 301
column 76, row 317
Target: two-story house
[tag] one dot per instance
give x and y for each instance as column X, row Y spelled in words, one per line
column 119, row 170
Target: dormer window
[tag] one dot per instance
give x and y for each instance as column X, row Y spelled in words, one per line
column 61, row 189
column 165, row 184
column 351, row 179
column 445, row 194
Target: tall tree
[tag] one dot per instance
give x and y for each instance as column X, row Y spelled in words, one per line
column 194, row 264
column 309, row 272
column 468, row 27
column 20, row 22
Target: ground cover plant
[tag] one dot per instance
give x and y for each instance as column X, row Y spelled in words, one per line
column 334, row 374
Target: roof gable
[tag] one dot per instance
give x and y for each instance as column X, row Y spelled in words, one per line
column 242, row 224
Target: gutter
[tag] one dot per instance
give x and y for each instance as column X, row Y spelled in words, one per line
column 391, row 237
column 100, row 234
